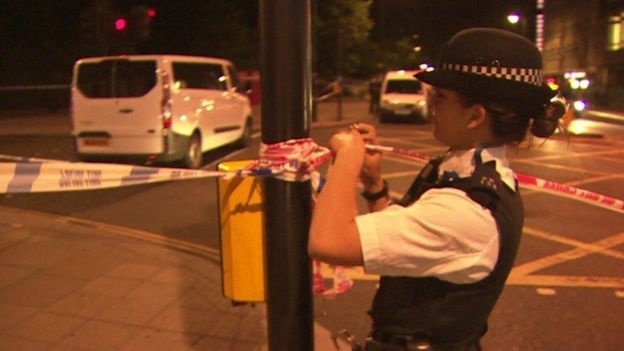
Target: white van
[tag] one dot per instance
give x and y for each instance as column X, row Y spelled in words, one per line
column 402, row 98
column 156, row 107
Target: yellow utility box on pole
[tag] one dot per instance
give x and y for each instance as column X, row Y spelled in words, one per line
column 242, row 235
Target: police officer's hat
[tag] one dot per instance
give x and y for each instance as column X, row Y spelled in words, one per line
column 491, row 63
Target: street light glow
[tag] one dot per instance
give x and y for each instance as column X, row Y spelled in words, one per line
column 513, row 18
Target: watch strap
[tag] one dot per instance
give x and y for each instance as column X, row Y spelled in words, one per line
column 377, row 195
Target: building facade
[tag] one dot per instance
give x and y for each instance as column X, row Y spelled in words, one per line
column 583, row 50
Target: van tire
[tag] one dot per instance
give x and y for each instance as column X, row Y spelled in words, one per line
column 420, row 119
column 245, row 138
column 384, row 117
column 193, row 156
column 82, row 158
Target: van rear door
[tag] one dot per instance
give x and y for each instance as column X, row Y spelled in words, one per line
column 117, row 106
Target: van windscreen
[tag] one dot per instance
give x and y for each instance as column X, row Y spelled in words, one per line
column 116, row 78
column 403, row 86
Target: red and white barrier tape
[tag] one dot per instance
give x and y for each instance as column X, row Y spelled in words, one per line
column 570, row 192
column 527, row 181
column 292, row 160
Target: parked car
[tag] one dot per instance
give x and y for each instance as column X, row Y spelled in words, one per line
column 402, row 98
column 157, row 107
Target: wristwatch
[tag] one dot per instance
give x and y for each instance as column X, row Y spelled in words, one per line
column 378, row 195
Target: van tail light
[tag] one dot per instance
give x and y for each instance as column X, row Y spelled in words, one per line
column 167, row 121
column 165, row 104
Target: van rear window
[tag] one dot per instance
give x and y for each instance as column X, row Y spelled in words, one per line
column 403, row 86
column 189, row 75
column 116, row 78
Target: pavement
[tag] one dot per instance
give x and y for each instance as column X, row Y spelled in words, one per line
column 71, row 284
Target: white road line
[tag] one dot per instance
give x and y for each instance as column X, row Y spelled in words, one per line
column 146, row 236
column 582, row 249
column 128, row 232
column 566, row 281
column 546, row 291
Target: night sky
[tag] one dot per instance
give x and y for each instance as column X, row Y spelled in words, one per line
column 41, row 39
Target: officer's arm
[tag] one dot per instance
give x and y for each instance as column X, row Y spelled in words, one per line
column 334, row 236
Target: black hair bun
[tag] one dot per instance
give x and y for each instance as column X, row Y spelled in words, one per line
column 546, row 122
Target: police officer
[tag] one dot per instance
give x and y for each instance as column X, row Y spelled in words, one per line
column 445, row 250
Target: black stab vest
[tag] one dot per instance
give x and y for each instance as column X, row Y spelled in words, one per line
column 441, row 311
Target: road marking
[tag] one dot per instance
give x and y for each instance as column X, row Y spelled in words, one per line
column 610, row 159
column 409, row 134
column 410, row 174
column 417, row 145
column 158, row 239
column 576, row 183
column 128, row 232
column 566, row 281
column 607, row 115
column 582, row 250
column 401, row 160
column 564, row 168
column 521, row 275
column 609, row 151
column 546, row 291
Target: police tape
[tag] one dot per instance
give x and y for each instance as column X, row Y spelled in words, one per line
column 563, row 190
column 35, row 177
column 526, row 181
column 292, row 160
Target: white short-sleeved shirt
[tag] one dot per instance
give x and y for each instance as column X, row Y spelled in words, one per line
column 444, row 234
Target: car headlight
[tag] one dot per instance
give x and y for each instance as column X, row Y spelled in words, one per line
column 579, row 105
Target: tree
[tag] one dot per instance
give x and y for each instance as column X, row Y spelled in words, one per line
column 341, row 28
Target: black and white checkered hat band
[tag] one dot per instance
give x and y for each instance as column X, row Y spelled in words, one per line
column 525, row 75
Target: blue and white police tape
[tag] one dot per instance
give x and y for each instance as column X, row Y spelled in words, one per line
column 292, row 160
column 34, row 177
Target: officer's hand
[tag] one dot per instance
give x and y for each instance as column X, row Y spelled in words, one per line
column 349, row 145
column 371, row 170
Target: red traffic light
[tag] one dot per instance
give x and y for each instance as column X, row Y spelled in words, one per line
column 120, row 24
column 151, row 13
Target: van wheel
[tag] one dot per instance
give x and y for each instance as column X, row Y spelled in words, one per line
column 82, row 158
column 384, row 118
column 420, row 119
column 193, row 155
column 245, row 138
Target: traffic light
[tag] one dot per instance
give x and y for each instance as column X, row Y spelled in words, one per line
column 151, row 13
column 121, row 24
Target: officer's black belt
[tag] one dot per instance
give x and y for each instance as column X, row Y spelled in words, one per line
column 408, row 342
